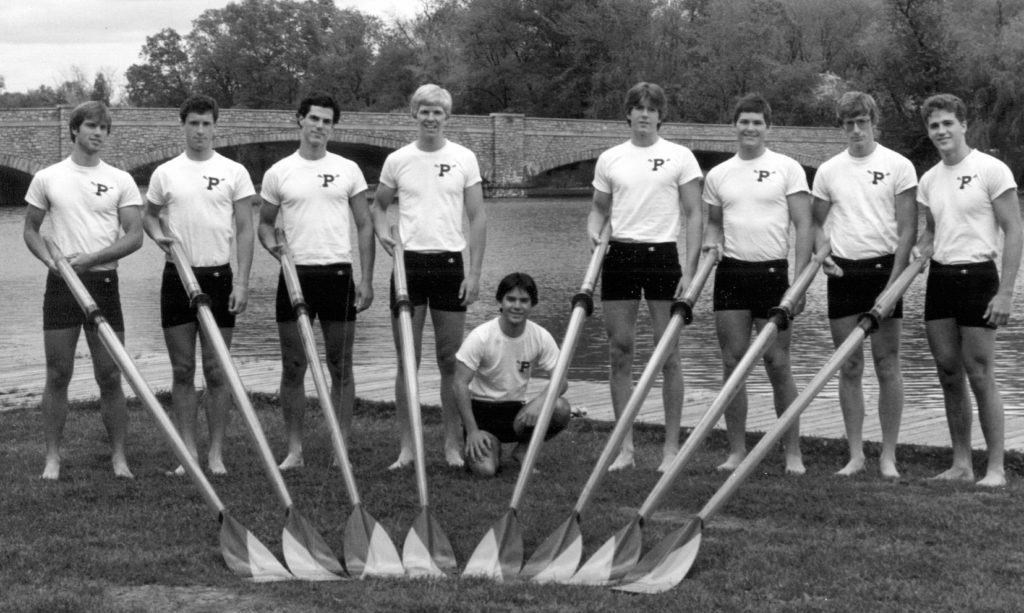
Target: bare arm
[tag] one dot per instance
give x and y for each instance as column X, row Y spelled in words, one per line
column 265, row 232
column 601, row 211
column 239, row 298
column 367, row 249
column 714, row 235
column 379, row 211
column 1007, row 211
column 130, row 240
column 476, row 443
column 151, row 223
column 906, row 230
column 819, row 213
column 33, row 240
column 693, row 217
column 476, row 213
column 803, row 226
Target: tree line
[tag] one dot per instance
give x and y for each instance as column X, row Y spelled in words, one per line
column 576, row 58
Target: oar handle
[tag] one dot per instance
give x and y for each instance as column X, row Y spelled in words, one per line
column 134, row 377
column 403, row 309
column 783, row 313
column 666, row 345
column 865, row 326
column 220, row 349
column 888, row 298
column 291, row 281
column 582, row 306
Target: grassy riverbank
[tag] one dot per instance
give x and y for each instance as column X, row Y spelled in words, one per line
column 94, row 543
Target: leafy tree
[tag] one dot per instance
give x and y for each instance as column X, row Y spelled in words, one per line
column 100, row 89
column 164, row 78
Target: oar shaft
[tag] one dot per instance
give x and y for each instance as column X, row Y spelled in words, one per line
column 213, row 336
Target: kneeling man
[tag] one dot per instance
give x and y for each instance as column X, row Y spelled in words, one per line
column 492, row 371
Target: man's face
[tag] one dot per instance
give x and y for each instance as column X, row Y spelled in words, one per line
column 643, row 119
column 91, row 136
column 860, row 133
column 199, row 129
column 430, row 118
column 751, row 129
column 317, row 126
column 516, row 306
column 946, row 132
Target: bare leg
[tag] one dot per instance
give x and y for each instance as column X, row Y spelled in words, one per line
column 944, row 341
column 217, row 403
column 851, row 395
column 181, row 349
column 776, row 363
column 113, row 406
column 405, row 454
column 448, row 329
column 59, row 346
column 672, row 383
column 885, row 349
column 978, row 351
column 339, row 339
column 733, row 328
column 293, row 391
column 620, row 322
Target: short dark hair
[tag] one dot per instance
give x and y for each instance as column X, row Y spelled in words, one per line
column 944, row 102
column 96, row 111
column 318, row 99
column 200, row 105
column 855, row 104
column 519, row 280
column 651, row 93
column 753, row 103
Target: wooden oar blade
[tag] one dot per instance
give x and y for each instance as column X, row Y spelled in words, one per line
column 499, row 555
column 612, row 560
column 667, row 564
column 426, row 551
column 246, row 556
column 558, row 556
column 369, row 551
column 307, row 554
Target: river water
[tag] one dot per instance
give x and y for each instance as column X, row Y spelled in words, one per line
column 543, row 237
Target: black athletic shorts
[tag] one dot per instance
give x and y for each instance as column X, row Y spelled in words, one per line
column 750, row 286
column 61, row 310
column 433, row 279
column 329, row 291
column 634, row 269
column 961, row 292
column 499, row 418
column 175, row 306
column 856, row 291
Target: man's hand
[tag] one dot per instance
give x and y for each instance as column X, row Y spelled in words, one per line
column 469, row 290
column 478, row 444
column 239, row 299
column 830, row 267
column 364, row 295
column 998, row 311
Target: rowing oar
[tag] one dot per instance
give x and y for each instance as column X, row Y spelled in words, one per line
column 559, row 555
column 667, row 564
column 369, row 550
column 426, row 551
column 305, row 551
column 500, row 553
column 242, row 551
column 619, row 554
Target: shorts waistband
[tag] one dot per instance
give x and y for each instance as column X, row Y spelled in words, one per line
column 199, row 270
column 641, row 246
column 89, row 275
column 322, row 267
column 728, row 262
column 968, row 267
column 882, row 259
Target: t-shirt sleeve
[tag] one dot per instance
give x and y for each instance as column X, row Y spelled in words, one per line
column 602, row 182
column 269, row 191
column 470, row 351
column 998, row 179
column 243, row 184
column 472, row 170
column 796, row 178
column 906, row 176
column 155, row 192
column 389, row 172
column 922, row 190
column 36, row 195
column 357, row 182
column 710, row 194
column 548, row 352
column 690, row 168
column 130, row 195
column 820, row 189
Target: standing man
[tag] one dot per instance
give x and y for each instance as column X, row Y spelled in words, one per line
column 753, row 197
column 95, row 220
column 864, row 210
column 646, row 186
column 436, row 181
column 494, row 367
column 971, row 205
column 204, row 200
column 318, row 195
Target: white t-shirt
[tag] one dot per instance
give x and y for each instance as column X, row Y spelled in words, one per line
column 862, row 190
column 960, row 200
column 314, row 199
column 83, row 203
column 755, row 212
column 644, row 184
column 200, row 199
column 430, row 187
column 502, row 364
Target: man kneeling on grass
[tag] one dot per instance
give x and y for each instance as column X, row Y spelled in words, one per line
column 492, row 371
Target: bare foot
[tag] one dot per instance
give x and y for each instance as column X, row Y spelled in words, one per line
column 731, row 462
column 292, row 460
column 519, row 452
column 957, row 473
column 665, row 463
column 887, row 468
column 121, row 469
column 177, row 472
column 217, row 466
column 404, row 459
column 795, row 466
column 993, row 478
column 625, row 460
column 52, row 470
column 454, row 457
column 854, row 466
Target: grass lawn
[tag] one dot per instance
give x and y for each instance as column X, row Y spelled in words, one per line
column 91, row 542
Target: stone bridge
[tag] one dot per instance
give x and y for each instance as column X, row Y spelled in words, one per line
column 514, row 150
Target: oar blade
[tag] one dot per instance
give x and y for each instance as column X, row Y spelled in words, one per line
column 369, row 551
column 246, row 556
column 307, row 554
column 667, row 564
column 558, row 556
column 499, row 555
column 426, row 551
column 616, row 557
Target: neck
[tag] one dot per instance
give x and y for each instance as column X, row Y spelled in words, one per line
column 430, row 143
column 751, row 153
column 312, row 152
column 862, row 152
column 199, row 156
column 510, row 329
column 645, row 139
column 83, row 158
column 955, row 156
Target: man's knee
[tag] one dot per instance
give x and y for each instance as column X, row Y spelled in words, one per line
column 488, row 464
column 560, row 418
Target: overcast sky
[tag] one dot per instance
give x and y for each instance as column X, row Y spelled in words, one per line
column 40, row 40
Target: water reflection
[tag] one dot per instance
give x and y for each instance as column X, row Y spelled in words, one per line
column 543, row 237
